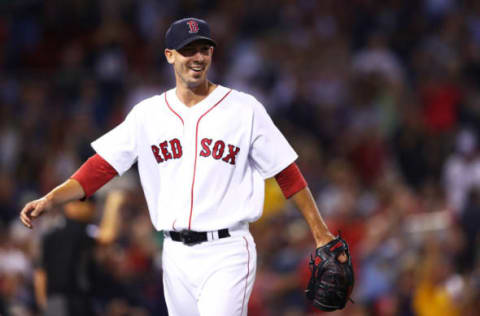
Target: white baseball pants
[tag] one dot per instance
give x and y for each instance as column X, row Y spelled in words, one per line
column 213, row 278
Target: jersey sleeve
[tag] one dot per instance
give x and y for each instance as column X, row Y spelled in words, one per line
column 119, row 146
column 270, row 151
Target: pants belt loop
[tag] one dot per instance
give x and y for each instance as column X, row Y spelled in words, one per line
column 212, row 235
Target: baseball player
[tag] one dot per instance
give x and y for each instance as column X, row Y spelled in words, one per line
column 203, row 152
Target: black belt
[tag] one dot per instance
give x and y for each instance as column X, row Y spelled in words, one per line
column 190, row 237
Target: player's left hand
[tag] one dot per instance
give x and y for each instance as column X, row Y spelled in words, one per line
column 332, row 279
column 342, row 257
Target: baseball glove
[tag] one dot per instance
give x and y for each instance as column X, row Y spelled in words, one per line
column 331, row 282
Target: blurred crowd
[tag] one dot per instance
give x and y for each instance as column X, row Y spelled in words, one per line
column 380, row 98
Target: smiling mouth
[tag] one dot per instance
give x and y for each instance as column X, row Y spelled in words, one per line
column 197, row 68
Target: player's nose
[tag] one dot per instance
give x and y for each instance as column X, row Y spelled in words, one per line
column 198, row 56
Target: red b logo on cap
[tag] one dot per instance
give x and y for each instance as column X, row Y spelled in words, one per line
column 193, row 26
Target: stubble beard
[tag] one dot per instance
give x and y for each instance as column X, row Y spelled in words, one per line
column 189, row 83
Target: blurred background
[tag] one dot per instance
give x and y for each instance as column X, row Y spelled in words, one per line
column 380, row 98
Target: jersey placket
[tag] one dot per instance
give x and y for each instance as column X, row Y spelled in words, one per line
column 196, row 122
column 188, row 169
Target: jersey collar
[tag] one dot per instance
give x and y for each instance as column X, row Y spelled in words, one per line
column 199, row 108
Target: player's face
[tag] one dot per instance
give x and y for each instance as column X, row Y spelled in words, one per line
column 191, row 63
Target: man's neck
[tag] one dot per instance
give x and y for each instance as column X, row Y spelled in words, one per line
column 191, row 96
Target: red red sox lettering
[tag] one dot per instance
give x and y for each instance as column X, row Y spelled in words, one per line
column 172, row 149
column 175, row 152
column 218, row 150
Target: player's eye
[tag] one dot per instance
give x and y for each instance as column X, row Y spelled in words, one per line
column 205, row 49
column 188, row 51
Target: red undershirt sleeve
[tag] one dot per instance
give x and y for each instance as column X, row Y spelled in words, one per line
column 93, row 174
column 291, row 180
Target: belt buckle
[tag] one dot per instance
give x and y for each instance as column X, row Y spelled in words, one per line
column 188, row 237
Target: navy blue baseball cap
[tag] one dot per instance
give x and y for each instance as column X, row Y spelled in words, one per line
column 184, row 31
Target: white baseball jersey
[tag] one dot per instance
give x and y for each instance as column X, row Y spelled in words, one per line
column 202, row 167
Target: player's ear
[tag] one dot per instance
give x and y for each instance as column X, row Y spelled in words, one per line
column 169, row 55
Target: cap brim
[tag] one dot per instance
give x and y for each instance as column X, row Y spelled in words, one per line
column 193, row 39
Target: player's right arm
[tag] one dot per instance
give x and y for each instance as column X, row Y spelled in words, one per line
column 90, row 177
column 116, row 152
column 68, row 191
